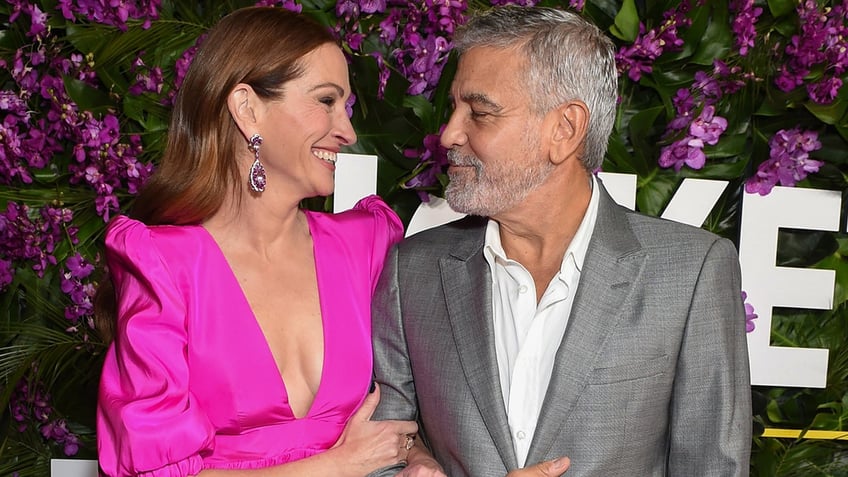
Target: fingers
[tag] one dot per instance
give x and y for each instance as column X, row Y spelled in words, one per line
column 550, row 468
column 418, row 470
column 554, row 468
column 365, row 411
column 405, row 427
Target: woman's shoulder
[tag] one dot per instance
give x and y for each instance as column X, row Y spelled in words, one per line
column 127, row 236
column 370, row 224
column 126, row 228
column 369, row 213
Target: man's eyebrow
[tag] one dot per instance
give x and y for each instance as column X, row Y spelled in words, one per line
column 480, row 98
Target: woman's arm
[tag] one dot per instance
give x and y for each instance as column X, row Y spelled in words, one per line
column 363, row 447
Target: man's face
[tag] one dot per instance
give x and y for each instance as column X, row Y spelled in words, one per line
column 496, row 152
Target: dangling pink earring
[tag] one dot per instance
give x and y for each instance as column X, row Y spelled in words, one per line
column 256, row 177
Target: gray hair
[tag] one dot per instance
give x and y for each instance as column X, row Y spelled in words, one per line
column 568, row 58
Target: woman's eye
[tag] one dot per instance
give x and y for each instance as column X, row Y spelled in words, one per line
column 329, row 101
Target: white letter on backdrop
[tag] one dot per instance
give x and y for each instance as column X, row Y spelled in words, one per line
column 768, row 285
column 356, row 177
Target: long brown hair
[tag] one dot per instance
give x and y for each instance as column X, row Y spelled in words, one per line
column 258, row 46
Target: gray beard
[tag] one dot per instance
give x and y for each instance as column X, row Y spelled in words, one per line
column 492, row 189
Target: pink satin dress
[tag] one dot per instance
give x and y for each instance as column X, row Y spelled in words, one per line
column 190, row 382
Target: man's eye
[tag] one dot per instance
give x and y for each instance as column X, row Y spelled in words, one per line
column 478, row 114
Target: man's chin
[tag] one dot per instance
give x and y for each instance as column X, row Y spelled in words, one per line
column 462, row 203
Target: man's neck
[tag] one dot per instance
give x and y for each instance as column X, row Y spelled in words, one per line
column 537, row 232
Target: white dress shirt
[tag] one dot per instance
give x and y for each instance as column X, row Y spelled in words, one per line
column 527, row 334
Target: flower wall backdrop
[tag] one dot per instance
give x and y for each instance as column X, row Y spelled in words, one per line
column 740, row 90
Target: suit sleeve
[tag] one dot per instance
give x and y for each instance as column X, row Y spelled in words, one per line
column 392, row 368
column 710, row 415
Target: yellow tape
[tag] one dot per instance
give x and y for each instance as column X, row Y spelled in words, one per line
column 810, row 434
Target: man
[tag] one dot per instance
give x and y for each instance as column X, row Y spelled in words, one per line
column 552, row 322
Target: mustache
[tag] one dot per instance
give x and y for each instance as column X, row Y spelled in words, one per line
column 456, row 158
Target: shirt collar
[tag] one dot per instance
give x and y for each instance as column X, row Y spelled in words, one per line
column 493, row 249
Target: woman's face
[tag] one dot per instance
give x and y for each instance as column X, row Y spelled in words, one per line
column 303, row 132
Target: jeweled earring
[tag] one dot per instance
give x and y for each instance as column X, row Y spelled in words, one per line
column 256, row 177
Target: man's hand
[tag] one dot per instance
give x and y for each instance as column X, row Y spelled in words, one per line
column 549, row 468
column 421, row 464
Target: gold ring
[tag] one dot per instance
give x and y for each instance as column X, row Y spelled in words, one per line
column 409, row 442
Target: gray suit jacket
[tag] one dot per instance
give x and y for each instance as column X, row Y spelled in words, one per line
column 651, row 377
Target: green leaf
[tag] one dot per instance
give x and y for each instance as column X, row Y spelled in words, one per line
column 618, row 157
column 643, row 131
column 87, row 97
column 719, row 170
column 828, row 113
column 421, row 106
column 626, row 25
column 779, row 8
column 654, row 192
column 729, row 146
column 717, row 41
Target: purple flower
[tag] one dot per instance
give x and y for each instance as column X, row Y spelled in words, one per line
column 707, row 126
column 789, row 161
column 29, row 236
column 744, row 23
column 707, row 87
column 750, row 316
column 113, row 12
column 688, row 151
column 7, row 273
column 389, row 26
column 415, row 33
column 706, row 129
column 150, row 81
column 351, row 101
column 825, row 90
column 354, row 40
column 30, row 405
column 373, row 6
column 384, row 73
column 347, row 9
column 432, row 161
column 78, row 267
column 290, row 5
column 638, row 58
column 520, row 3
column 39, row 22
column 821, row 45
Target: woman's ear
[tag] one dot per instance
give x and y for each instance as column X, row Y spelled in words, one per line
column 242, row 103
column 570, row 122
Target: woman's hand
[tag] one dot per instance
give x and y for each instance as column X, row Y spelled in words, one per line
column 370, row 445
column 549, row 468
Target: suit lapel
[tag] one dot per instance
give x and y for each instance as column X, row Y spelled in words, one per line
column 612, row 265
column 468, row 293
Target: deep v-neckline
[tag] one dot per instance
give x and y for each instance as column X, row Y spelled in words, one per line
column 268, row 355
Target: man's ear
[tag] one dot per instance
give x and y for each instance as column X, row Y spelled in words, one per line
column 242, row 103
column 568, row 132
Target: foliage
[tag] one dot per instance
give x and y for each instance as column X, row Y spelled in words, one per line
column 745, row 91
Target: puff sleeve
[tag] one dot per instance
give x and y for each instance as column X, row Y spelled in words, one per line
column 388, row 230
column 148, row 423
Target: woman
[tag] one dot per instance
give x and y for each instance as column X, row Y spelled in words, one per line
column 242, row 339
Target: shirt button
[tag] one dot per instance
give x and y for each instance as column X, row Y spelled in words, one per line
column 520, row 435
column 522, row 289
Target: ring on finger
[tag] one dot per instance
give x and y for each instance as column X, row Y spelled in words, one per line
column 410, row 441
